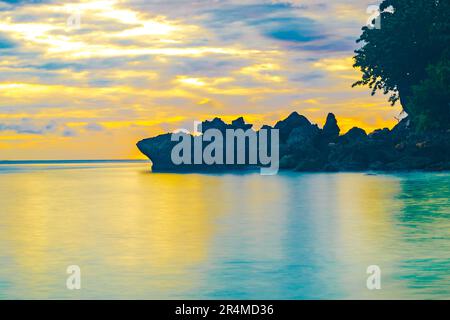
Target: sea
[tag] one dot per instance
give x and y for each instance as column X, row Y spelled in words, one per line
column 134, row 234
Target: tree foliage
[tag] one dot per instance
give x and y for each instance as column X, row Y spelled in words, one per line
column 434, row 94
column 408, row 55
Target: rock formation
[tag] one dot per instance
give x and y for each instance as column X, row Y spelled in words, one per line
column 306, row 147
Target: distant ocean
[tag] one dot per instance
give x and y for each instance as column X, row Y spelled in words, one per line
column 137, row 234
column 68, row 161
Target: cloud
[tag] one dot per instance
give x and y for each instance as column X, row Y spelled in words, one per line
column 68, row 132
column 280, row 21
column 292, row 29
column 52, row 66
column 27, row 126
column 94, row 127
column 6, row 42
column 21, row 2
column 136, row 64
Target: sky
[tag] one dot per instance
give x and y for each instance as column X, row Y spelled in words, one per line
column 88, row 79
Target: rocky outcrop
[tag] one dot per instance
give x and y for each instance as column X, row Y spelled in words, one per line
column 239, row 123
column 159, row 149
column 306, row 147
column 353, row 135
column 294, row 120
column 331, row 129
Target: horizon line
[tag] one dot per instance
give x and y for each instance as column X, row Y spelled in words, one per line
column 72, row 160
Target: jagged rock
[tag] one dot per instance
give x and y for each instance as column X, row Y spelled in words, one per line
column 305, row 147
column 331, row 129
column 294, row 120
column 239, row 123
column 216, row 123
column 158, row 150
column 302, row 144
column 380, row 134
column 354, row 134
column 347, row 157
column 219, row 124
column 302, row 135
column 402, row 128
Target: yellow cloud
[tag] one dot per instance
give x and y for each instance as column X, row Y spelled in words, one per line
column 312, row 101
column 196, row 82
column 262, row 72
column 57, row 39
column 203, row 81
column 136, row 98
column 204, row 101
column 335, row 64
column 143, row 123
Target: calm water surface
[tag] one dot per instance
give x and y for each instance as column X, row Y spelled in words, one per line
column 240, row 236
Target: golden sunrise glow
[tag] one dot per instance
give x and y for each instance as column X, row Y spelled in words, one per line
column 127, row 72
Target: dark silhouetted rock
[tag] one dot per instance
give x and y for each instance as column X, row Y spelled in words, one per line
column 158, row 150
column 380, row 134
column 302, row 135
column 309, row 165
column 216, row 123
column 239, row 123
column 402, row 128
column 288, row 162
column 331, row 129
column 305, row 147
column 294, row 120
column 220, row 125
column 354, row 134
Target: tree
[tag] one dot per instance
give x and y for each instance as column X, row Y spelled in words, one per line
column 402, row 56
column 433, row 92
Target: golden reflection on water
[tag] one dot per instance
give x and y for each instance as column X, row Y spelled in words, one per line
column 366, row 205
column 141, row 235
column 139, row 225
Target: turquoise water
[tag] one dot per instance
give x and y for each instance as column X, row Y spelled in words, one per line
column 135, row 234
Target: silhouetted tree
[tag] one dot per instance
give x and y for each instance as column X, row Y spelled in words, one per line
column 407, row 57
column 430, row 102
